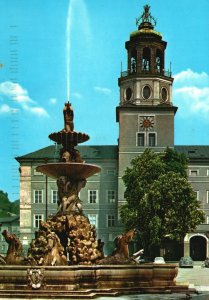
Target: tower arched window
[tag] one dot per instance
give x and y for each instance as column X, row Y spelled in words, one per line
column 146, row 59
column 158, row 62
column 133, row 60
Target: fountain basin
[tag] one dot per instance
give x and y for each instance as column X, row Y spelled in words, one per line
column 89, row 281
column 76, row 171
column 73, row 138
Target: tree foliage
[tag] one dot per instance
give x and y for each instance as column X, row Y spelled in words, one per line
column 160, row 202
column 7, row 207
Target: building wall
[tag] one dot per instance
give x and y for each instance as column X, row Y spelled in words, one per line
column 199, row 178
column 130, row 126
column 25, row 204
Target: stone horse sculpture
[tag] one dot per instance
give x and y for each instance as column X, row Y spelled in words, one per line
column 14, row 252
column 122, row 242
column 120, row 255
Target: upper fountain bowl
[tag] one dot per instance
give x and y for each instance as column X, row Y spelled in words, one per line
column 69, row 138
column 76, row 171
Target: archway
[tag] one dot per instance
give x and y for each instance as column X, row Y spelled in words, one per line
column 198, row 246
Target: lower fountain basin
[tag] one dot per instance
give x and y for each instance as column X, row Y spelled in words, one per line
column 76, row 171
column 87, row 281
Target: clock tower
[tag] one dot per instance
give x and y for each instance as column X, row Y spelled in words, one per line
column 145, row 113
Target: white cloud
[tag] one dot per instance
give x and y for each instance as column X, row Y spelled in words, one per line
column 102, row 90
column 4, row 109
column 53, row 101
column 38, row 111
column 190, row 78
column 191, row 93
column 19, row 96
column 15, row 91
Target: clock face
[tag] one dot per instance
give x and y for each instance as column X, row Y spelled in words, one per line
column 147, row 123
column 128, row 94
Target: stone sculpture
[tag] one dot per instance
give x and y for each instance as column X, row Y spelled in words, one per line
column 120, row 254
column 14, row 253
column 68, row 190
column 68, row 117
column 35, row 278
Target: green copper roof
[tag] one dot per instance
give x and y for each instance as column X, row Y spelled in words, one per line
column 47, row 152
column 98, row 151
column 194, row 152
column 90, row 152
column 107, row 152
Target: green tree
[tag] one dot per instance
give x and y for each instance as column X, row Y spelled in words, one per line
column 6, row 206
column 160, row 202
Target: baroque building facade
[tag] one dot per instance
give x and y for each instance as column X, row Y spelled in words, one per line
column 146, row 119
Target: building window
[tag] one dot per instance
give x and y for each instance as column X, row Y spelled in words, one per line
column 54, row 196
column 207, row 199
column 111, row 172
column 110, row 220
column 38, row 196
column 207, row 172
column 37, row 173
column 36, row 220
column 111, row 196
column 207, row 219
column 197, row 195
column 140, row 139
column 151, row 140
column 93, row 219
column 93, row 196
column 193, row 172
column 146, row 59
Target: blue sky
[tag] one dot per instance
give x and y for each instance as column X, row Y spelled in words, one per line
column 33, row 70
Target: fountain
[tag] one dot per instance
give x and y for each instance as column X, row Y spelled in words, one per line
column 65, row 259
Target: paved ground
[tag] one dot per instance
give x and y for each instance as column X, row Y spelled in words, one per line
column 197, row 277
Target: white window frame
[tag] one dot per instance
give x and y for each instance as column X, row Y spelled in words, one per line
column 34, row 196
column 207, row 172
column 93, row 219
column 110, row 219
column 137, row 139
column 197, row 195
column 90, row 195
column 207, row 219
column 148, row 139
column 111, row 200
column 207, row 195
column 52, row 196
column 191, row 172
column 38, row 220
